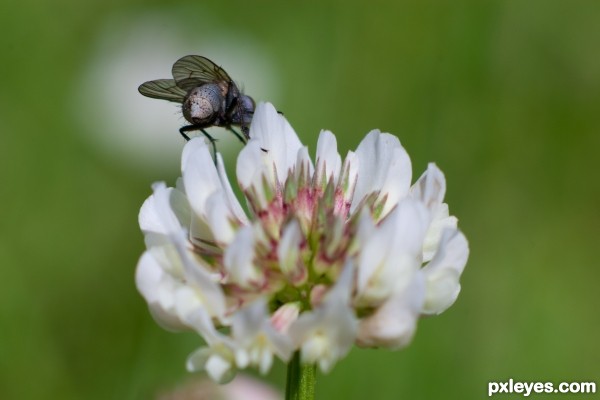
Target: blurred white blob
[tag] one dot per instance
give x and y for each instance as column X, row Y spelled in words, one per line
column 131, row 49
column 241, row 388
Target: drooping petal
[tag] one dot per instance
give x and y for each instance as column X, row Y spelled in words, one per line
column 327, row 333
column 256, row 339
column 430, row 189
column 158, row 288
column 441, row 221
column 157, row 214
column 442, row 274
column 392, row 254
column 218, row 362
column 393, row 324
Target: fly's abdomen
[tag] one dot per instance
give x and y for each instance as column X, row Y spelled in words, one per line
column 203, row 104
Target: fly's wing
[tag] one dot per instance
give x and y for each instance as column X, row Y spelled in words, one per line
column 193, row 71
column 164, row 89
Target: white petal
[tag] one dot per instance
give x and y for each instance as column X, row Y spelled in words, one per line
column 392, row 254
column 254, row 165
column 248, row 321
column 384, row 167
column 288, row 253
column 430, row 188
column 218, row 365
column 220, row 369
column 255, row 337
column 304, row 163
column 276, row 137
column 329, row 161
column 393, row 324
column 148, row 217
column 196, row 274
column 154, row 284
column 157, row 214
column 441, row 221
column 200, row 176
column 239, row 256
column 443, row 272
column 349, row 177
column 327, row 333
column 219, row 218
column 232, row 201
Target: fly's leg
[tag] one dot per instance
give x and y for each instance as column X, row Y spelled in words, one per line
column 212, row 140
column 238, row 135
column 185, row 129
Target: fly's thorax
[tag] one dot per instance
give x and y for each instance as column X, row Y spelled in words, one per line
column 244, row 110
column 203, row 103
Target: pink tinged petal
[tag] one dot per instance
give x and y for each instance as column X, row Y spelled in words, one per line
column 349, row 178
column 289, row 254
column 384, row 167
column 442, row 274
column 329, row 161
column 327, row 333
column 247, row 388
column 317, row 294
column 394, row 323
column 390, row 256
column 239, row 259
column 284, row 316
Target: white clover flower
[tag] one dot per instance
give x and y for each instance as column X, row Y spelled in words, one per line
column 324, row 257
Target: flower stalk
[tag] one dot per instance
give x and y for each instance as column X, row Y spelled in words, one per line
column 301, row 380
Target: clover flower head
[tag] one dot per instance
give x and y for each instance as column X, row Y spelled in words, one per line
column 320, row 256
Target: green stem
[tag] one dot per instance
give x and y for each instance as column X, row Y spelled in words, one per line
column 301, row 380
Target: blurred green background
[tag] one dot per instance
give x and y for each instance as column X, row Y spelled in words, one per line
column 503, row 95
